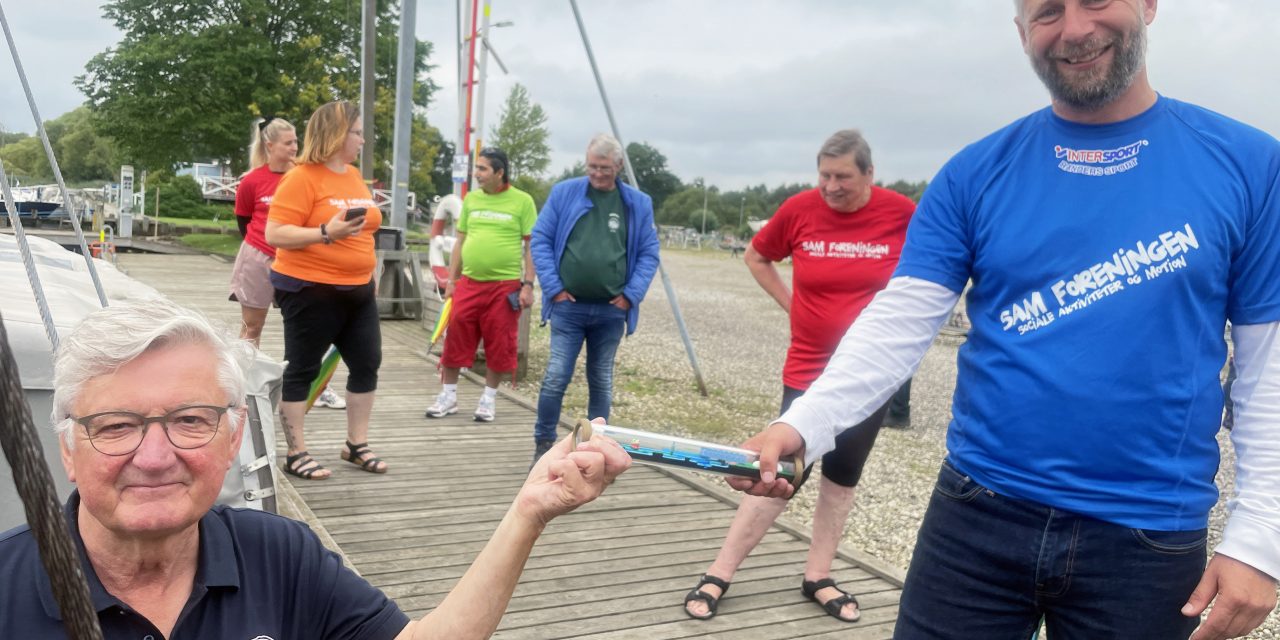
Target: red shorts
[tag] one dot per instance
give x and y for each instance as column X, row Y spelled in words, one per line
column 481, row 310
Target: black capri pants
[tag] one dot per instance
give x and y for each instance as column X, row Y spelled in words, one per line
column 319, row 315
column 843, row 465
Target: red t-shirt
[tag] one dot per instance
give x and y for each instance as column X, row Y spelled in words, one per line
column 840, row 261
column 253, row 199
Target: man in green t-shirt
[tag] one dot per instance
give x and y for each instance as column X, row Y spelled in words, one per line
column 490, row 281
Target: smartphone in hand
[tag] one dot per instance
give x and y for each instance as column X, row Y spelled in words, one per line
column 352, row 214
column 513, row 299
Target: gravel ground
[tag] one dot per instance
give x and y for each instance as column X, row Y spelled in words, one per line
column 740, row 336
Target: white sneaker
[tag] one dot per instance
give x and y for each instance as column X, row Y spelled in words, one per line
column 330, row 399
column 445, row 404
column 484, row 410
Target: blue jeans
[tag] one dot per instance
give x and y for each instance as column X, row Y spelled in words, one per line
column 598, row 324
column 990, row 566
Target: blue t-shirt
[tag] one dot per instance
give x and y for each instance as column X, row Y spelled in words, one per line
column 1105, row 261
column 258, row 576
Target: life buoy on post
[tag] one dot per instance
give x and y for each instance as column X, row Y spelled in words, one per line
column 450, row 206
column 98, row 249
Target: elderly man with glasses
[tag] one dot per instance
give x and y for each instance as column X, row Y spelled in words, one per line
column 596, row 251
column 149, row 401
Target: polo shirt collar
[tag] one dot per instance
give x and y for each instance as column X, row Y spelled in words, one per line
column 217, row 566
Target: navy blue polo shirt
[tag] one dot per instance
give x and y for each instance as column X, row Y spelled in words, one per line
column 258, row 575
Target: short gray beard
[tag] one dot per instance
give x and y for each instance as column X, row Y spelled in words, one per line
column 1091, row 95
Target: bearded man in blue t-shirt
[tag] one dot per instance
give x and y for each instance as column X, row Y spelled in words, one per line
column 1108, row 240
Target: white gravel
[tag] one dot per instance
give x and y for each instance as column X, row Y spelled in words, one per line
column 740, row 336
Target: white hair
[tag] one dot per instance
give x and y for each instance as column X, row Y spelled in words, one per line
column 110, row 338
column 605, row 146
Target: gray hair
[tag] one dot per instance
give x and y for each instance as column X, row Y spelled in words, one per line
column 845, row 142
column 605, row 146
column 110, row 338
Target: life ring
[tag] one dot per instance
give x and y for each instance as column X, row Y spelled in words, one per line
column 97, row 249
column 450, row 206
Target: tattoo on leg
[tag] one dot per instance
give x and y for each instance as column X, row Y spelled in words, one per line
column 290, row 437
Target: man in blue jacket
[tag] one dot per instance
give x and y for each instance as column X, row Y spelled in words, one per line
column 595, row 250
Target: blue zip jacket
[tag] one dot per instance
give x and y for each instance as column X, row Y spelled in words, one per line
column 566, row 204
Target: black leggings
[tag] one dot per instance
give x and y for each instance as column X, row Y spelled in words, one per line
column 843, row 465
column 320, row 315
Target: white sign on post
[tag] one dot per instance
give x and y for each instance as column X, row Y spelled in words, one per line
column 460, row 166
column 124, row 225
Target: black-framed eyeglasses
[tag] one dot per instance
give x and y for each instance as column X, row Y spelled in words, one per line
column 118, row 433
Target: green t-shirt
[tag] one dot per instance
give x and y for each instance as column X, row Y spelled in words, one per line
column 496, row 226
column 594, row 264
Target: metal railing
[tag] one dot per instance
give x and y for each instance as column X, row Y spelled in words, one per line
column 219, row 187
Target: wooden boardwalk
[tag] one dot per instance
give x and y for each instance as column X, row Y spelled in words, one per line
column 617, row 568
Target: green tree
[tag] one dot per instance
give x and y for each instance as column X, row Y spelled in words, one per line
column 652, row 173
column 425, row 145
column 685, row 208
column 913, row 190
column 188, row 78
column 576, row 170
column 537, row 189
column 780, row 195
column 522, row 134
column 25, row 160
column 83, row 155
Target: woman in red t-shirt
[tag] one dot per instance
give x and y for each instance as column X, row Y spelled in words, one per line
column 275, row 145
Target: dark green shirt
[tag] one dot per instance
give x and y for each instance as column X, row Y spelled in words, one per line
column 594, row 265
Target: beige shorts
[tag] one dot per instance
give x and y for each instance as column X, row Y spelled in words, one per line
column 251, row 278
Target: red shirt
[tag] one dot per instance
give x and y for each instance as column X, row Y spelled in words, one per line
column 840, row 261
column 253, row 199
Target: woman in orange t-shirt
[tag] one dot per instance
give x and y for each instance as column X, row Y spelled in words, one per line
column 321, row 222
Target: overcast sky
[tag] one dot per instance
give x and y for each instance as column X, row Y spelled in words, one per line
column 744, row 91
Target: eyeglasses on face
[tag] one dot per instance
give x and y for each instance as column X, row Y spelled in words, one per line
column 118, row 433
column 604, row 169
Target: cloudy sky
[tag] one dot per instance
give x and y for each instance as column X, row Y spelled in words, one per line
column 743, row 91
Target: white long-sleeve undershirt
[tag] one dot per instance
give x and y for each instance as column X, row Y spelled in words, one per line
column 1252, row 534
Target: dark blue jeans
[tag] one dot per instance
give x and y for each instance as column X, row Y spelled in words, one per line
column 989, row 566
column 600, row 326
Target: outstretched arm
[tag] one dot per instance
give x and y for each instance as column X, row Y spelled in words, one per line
column 564, row 479
column 879, row 352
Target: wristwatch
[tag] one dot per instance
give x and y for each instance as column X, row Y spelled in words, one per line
column 324, row 235
column 526, row 283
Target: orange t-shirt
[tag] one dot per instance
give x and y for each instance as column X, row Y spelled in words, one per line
column 310, row 195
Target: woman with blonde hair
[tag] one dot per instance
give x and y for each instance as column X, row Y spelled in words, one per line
column 271, row 154
column 275, row 145
column 321, row 222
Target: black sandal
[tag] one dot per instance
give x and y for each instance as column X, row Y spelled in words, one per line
column 302, row 465
column 355, row 454
column 833, row 606
column 698, row 594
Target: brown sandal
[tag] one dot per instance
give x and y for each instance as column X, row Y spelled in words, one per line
column 361, row 456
